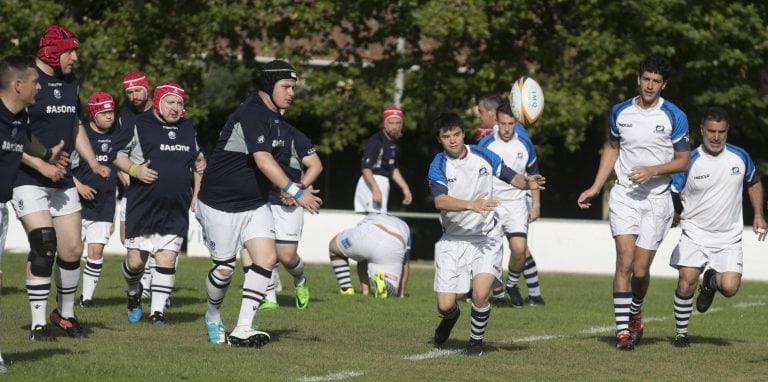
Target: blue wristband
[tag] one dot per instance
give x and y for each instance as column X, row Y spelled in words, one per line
column 293, row 189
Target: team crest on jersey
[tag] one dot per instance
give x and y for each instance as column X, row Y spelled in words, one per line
column 56, row 93
column 171, row 135
column 105, row 147
column 260, row 139
column 14, row 131
column 735, row 170
column 483, row 171
column 519, row 155
column 345, row 243
column 659, row 129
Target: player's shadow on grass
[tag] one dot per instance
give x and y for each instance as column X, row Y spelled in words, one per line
column 276, row 334
column 34, row 355
column 176, row 301
column 652, row 340
column 461, row 345
column 10, row 290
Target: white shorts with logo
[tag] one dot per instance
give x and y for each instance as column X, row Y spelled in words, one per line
column 96, row 232
column 58, row 201
column 225, row 233
column 727, row 258
column 458, row 261
column 649, row 218
column 513, row 215
column 364, row 197
column 289, row 223
column 155, row 242
column 383, row 251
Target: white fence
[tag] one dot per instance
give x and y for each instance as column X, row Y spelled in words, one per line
column 558, row 245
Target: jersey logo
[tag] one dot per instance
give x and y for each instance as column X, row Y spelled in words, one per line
column 171, row 135
column 56, row 93
column 260, row 139
column 483, row 171
column 659, row 129
column 278, row 143
column 735, row 170
column 345, row 243
column 105, row 147
column 519, row 155
column 624, row 124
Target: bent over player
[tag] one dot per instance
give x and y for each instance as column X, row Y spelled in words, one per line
column 382, row 242
column 460, row 179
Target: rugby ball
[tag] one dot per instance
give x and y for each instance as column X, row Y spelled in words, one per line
column 527, row 100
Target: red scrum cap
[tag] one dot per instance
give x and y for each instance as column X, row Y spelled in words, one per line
column 136, row 80
column 98, row 102
column 389, row 113
column 55, row 41
column 164, row 89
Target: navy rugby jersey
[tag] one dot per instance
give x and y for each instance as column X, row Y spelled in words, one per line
column 127, row 117
column 13, row 136
column 105, row 147
column 161, row 207
column 380, row 155
column 291, row 148
column 53, row 118
column 232, row 182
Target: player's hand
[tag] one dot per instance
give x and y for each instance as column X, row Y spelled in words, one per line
column 376, row 196
column 533, row 214
column 586, row 197
column 641, row 174
column 200, row 164
column 86, row 192
column 58, row 155
column 482, row 205
column 102, row 171
column 407, row 197
column 54, row 173
column 309, row 201
column 193, row 204
column 146, row 174
column 760, row 228
column 535, row 182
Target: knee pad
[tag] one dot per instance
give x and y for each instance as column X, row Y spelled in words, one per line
column 221, row 272
column 42, row 251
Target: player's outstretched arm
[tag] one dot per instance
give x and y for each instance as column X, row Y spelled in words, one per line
column 83, row 147
column 607, row 160
column 397, row 177
column 480, row 204
column 271, row 169
column 759, row 227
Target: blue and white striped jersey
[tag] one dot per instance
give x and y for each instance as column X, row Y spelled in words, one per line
column 711, row 192
column 647, row 137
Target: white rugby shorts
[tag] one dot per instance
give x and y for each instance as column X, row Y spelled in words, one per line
column 649, row 218
column 383, row 251
column 688, row 253
column 95, row 232
column 58, row 201
column 458, row 261
column 121, row 208
column 289, row 223
column 513, row 216
column 155, row 242
column 225, row 233
column 364, row 197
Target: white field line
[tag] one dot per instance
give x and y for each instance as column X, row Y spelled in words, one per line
column 346, row 374
column 434, row 353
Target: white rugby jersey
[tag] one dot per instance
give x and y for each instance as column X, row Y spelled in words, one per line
column 519, row 155
column 465, row 178
column 647, row 138
column 711, row 192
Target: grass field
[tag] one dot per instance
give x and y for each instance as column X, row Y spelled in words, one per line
column 358, row 338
